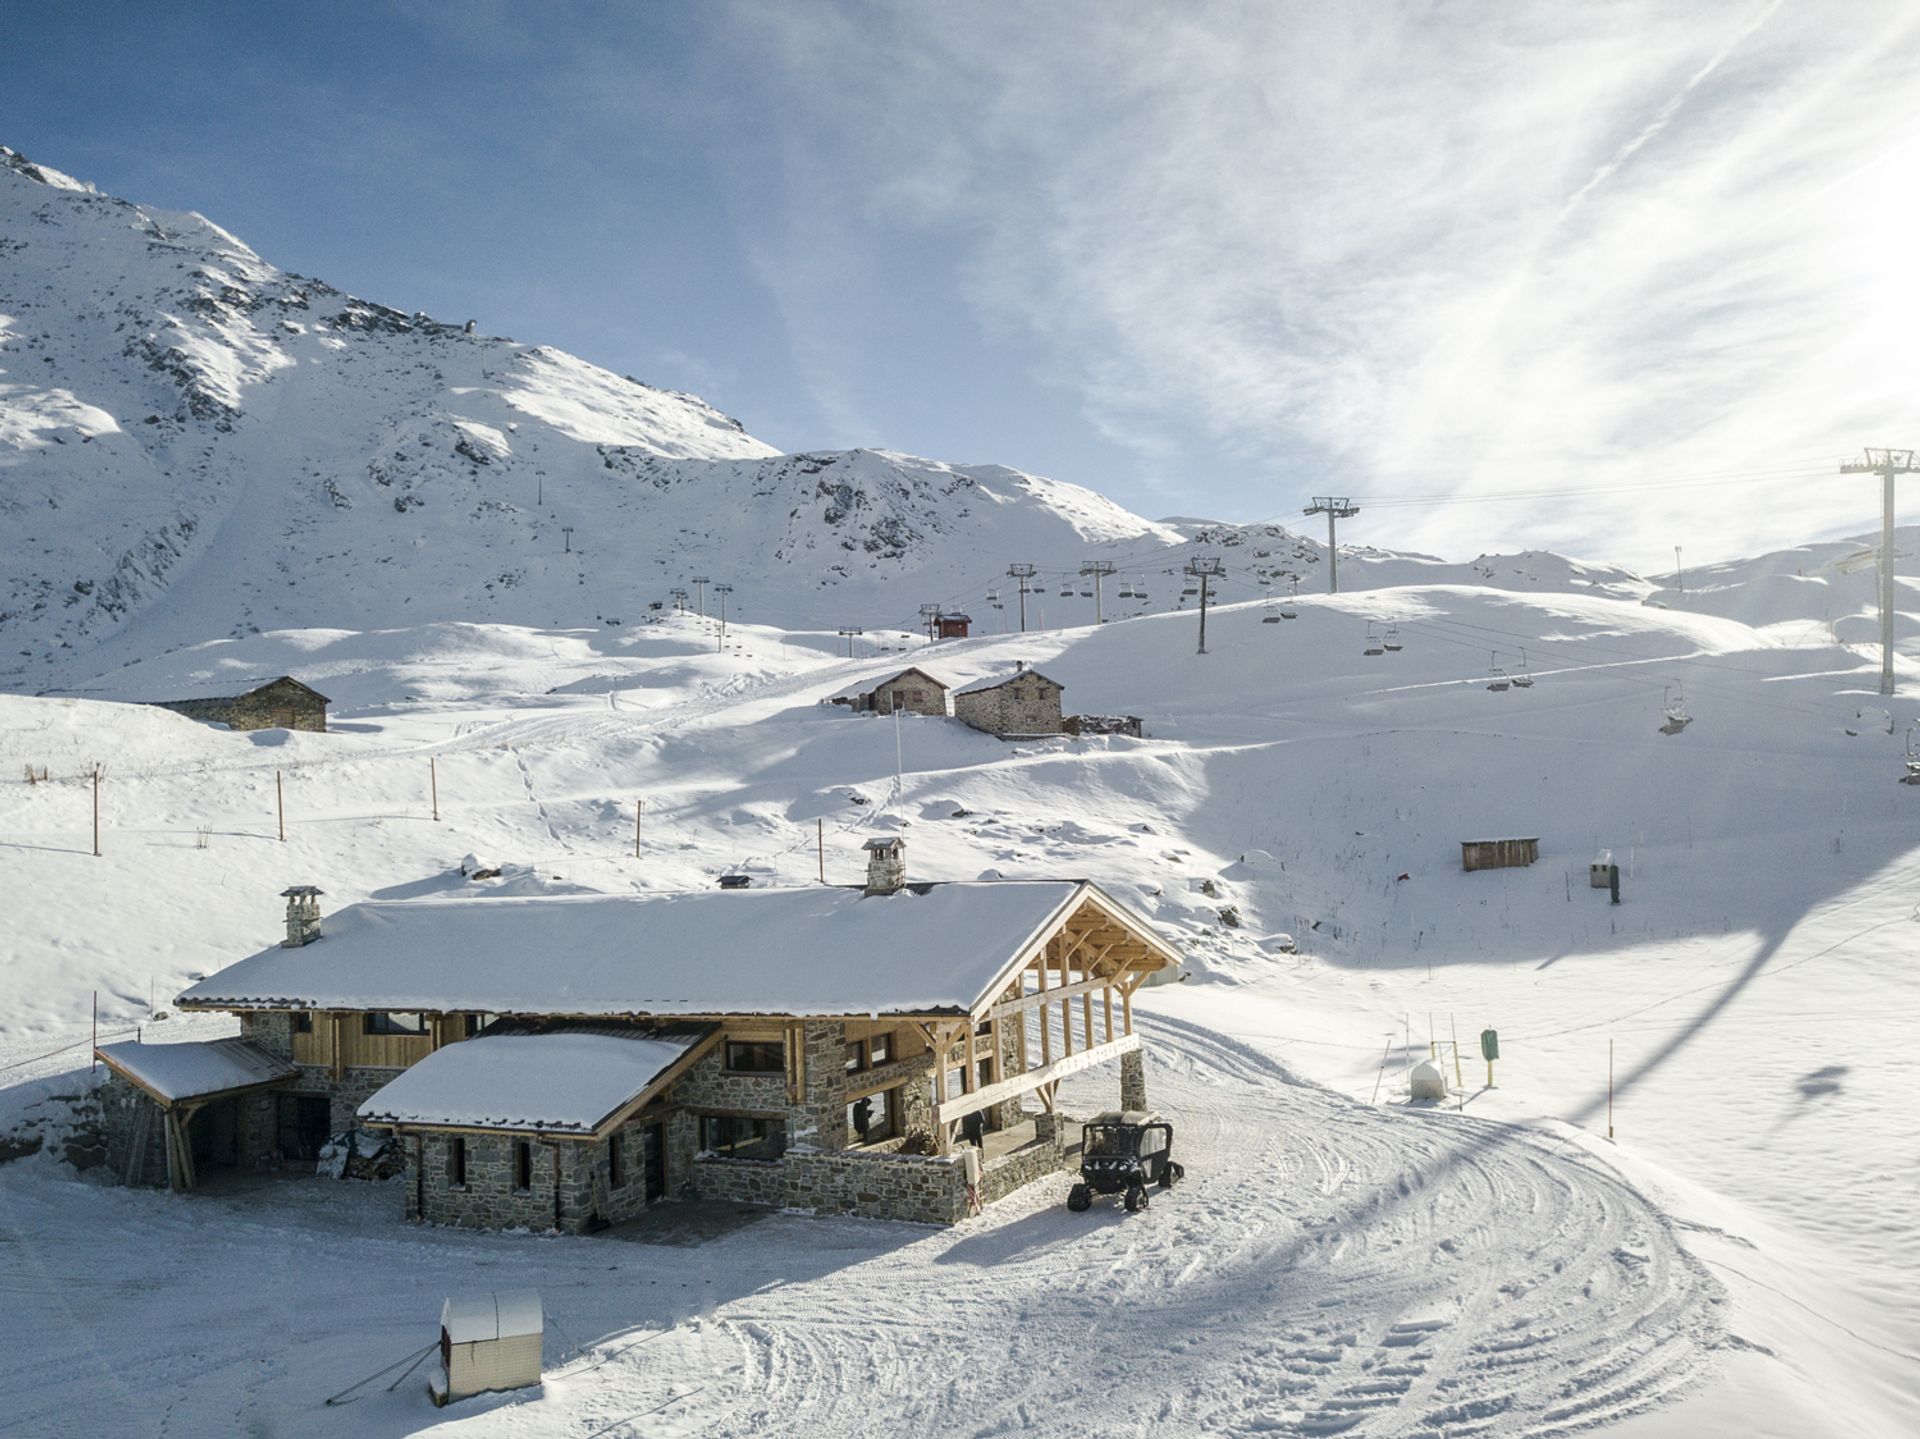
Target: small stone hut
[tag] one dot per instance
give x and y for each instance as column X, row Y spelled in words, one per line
column 912, row 690
column 1022, row 704
column 952, row 626
column 1498, row 853
column 282, row 703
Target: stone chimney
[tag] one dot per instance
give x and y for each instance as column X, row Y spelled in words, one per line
column 303, row 915
column 886, row 865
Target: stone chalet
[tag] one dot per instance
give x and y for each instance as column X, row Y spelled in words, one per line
column 1024, row 703
column 564, row 1062
column 282, row 703
column 913, row 691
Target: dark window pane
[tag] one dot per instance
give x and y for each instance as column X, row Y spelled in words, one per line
column 756, row 1056
column 740, row 1136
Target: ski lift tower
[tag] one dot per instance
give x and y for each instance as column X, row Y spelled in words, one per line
column 1099, row 569
column 1886, row 464
column 1333, row 508
column 1022, row 573
column 1204, row 568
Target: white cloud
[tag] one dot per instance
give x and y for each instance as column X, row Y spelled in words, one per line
column 1466, row 250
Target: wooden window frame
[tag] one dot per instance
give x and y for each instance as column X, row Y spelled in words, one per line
column 380, row 1023
column 722, row 1116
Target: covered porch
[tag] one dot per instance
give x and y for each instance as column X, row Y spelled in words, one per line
column 1064, row 1007
column 174, row 1083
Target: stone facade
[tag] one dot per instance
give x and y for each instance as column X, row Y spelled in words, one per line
column 1026, row 704
column 284, row 703
column 1133, row 1079
column 914, row 691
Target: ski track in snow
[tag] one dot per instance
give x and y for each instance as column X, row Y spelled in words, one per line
column 1326, row 1268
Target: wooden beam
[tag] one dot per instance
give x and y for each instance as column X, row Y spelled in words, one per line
column 948, row 1111
column 1014, row 1006
column 1086, row 1013
column 1107, row 1000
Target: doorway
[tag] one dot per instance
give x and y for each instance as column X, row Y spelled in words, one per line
column 305, row 1122
column 653, row 1160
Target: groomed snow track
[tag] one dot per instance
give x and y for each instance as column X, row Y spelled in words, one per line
column 1327, row 1269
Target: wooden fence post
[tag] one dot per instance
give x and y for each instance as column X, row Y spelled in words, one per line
column 280, row 804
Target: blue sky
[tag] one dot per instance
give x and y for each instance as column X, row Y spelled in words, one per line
column 1600, row 278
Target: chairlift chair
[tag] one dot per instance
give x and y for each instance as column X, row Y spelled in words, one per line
column 1390, row 641
column 1272, row 616
column 1912, row 775
column 1374, row 647
column 1524, row 679
column 1673, row 705
column 1086, row 594
column 1500, row 681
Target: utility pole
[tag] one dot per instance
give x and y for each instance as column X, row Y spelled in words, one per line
column 1679, row 574
column 1204, row 568
column 848, row 634
column 700, row 594
column 1099, row 569
column 567, row 530
column 679, row 598
column 929, row 614
column 1886, row 464
column 1022, row 573
column 1333, row 508
column 723, row 591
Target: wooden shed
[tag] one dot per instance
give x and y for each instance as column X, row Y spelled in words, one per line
column 1499, row 853
column 488, row 1341
column 952, row 626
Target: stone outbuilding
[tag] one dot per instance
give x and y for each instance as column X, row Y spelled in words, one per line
column 912, row 690
column 953, row 626
column 1022, row 704
column 860, row 1049
column 282, row 703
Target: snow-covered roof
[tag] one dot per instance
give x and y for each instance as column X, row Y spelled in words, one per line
column 909, row 670
column 993, row 684
column 827, row 950
column 564, row 1081
column 503, row 1314
column 173, row 1072
column 228, row 687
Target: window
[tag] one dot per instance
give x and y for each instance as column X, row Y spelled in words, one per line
column 868, row 1053
column 616, row 1161
column 395, row 1022
column 522, row 1166
column 756, row 1056
column 743, row 1136
column 457, row 1163
column 303, row 1022
column 874, row 1117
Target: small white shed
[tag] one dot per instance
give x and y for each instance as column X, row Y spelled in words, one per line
column 488, row 1341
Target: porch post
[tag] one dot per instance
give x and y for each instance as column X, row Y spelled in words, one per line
column 1133, row 1079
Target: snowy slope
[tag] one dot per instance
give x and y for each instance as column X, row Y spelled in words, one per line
column 1755, row 981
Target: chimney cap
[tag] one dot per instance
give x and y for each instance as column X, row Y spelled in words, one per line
column 884, row 843
column 300, row 891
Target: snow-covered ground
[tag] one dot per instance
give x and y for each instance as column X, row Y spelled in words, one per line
column 1737, row 1259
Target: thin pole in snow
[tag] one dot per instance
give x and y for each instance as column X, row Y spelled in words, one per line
column 1384, row 1054
column 96, row 811
column 96, row 1030
column 1458, row 1077
column 280, row 803
column 433, row 777
column 1609, row 1089
column 820, row 846
column 638, row 806
column 1433, row 1044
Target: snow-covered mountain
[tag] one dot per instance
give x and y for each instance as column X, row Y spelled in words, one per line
column 196, row 445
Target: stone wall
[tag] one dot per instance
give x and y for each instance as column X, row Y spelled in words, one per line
column 274, row 706
column 121, row 1106
column 919, row 695
column 1133, row 1079
column 1015, row 1170
column 925, row 1189
column 272, row 1030
column 1027, row 704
